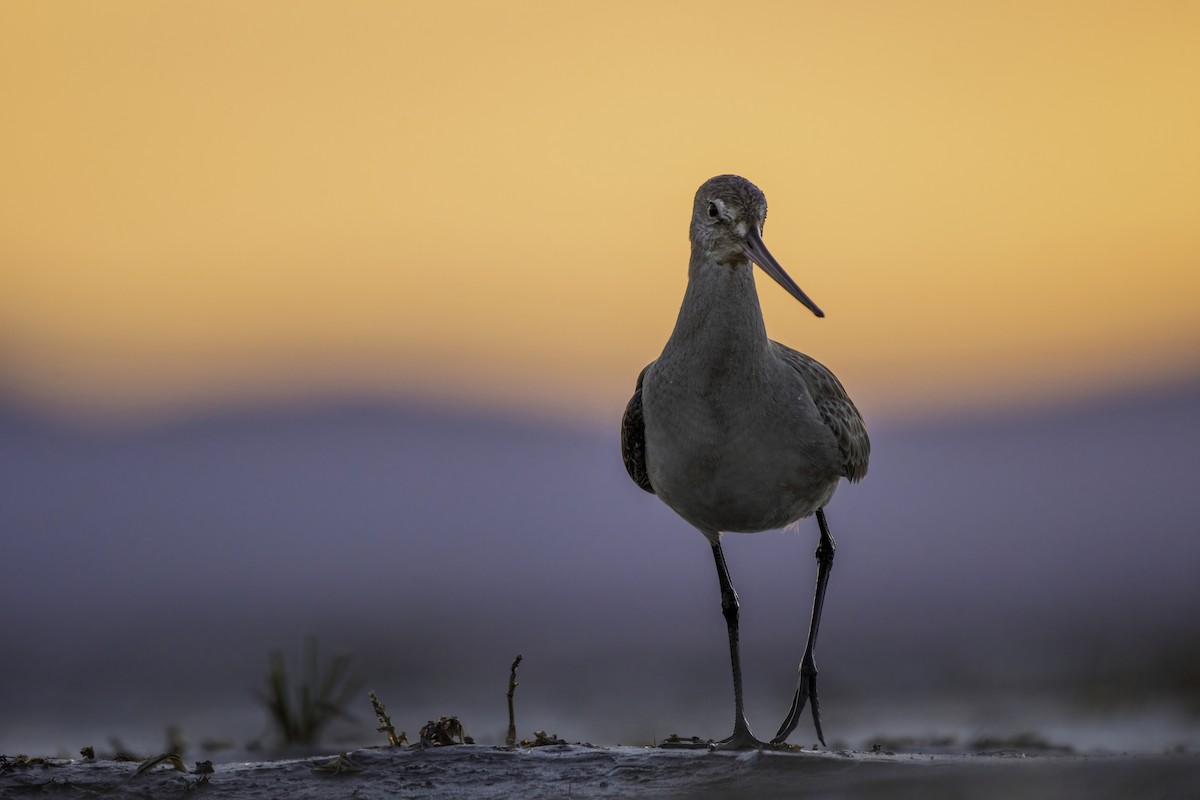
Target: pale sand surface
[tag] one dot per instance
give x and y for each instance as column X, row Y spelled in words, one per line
column 583, row 771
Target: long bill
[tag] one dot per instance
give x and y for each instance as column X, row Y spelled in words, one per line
column 756, row 249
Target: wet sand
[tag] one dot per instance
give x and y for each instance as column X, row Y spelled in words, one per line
column 582, row 771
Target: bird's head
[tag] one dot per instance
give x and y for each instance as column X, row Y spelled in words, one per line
column 727, row 224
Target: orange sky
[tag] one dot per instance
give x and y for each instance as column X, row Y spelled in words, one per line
column 488, row 202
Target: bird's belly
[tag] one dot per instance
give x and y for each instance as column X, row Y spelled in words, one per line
column 725, row 505
column 739, row 475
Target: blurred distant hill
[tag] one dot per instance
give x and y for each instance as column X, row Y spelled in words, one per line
column 1054, row 549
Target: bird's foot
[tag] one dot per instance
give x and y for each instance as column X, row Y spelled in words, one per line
column 741, row 739
column 744, row 741
column 806, row 691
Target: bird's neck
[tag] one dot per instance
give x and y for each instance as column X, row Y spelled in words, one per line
column 720, row 318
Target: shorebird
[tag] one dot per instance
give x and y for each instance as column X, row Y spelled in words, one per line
column 736, row 432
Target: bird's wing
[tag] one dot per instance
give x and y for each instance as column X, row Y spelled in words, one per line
column 633, row 438
column 837, row 411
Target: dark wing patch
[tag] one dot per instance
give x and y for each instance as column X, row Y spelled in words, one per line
column 837, row 411
column 633, row 438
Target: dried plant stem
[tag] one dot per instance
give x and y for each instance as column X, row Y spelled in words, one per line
column 511, row 739
column 385, row 722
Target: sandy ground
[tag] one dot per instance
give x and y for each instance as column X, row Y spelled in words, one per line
column 561, row 771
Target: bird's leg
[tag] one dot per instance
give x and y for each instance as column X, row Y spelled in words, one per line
column 742, row 738
column 806, row 687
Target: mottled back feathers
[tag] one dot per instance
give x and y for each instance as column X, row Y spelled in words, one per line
column 837, row 411
column 633, row 438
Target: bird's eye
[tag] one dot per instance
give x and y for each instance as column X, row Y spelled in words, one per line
column 713, row 212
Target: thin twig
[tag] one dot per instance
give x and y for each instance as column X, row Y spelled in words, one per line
column 511, row 739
